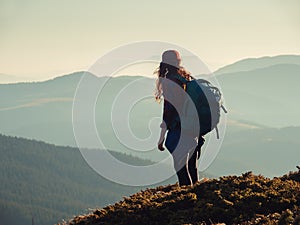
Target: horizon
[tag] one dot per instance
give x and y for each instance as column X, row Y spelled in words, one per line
column 127, row 71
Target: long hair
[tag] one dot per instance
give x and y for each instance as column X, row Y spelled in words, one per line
column 161, row 73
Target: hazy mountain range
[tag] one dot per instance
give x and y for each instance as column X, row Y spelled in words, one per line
column 262, row 98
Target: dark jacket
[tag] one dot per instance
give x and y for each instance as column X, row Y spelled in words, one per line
column 170, row 114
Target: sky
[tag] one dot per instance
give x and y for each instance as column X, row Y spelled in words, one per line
column 44, row 39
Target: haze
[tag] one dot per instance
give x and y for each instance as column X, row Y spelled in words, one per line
column 44, row 39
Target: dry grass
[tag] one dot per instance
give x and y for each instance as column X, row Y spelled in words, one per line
column 246, row 199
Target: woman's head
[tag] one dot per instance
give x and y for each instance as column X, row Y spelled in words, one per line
column 170, row 64
column 172, row 58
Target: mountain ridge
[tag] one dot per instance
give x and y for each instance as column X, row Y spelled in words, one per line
column 275, row 66
column 250, row 97
column 248, row 64
column 245, row 64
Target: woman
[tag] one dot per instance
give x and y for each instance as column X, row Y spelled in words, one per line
column 184, row 148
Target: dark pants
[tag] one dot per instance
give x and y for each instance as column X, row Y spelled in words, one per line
column 188, row 174
column 187, row 169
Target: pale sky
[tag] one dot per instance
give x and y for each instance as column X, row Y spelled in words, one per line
column 45, row 39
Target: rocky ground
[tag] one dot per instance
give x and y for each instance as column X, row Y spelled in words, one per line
column 246, row 199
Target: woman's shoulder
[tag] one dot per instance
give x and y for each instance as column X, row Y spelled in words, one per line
column 177, row 78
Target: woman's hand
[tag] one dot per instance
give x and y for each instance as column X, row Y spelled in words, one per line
column 162, row 138
column 160, row 145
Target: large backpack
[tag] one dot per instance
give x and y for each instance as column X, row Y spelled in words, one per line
column 207, row 99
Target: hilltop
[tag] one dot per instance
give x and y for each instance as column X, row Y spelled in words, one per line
column 246, row 199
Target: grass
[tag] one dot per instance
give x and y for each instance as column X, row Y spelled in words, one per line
column 246, row 199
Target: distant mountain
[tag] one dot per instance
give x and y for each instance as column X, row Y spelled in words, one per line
column 40, row 110
column 258, row 63
column 43, row 110
column 49, row 183
column 263, row 99
column 245, row 199
column 265, row 96
column 256, row 100
column 266, row 151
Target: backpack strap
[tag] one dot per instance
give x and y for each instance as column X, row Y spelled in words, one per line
column 180, row 78
column 224, row 109
column 217, row 131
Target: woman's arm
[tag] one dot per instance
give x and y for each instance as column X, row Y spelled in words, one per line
column 163, row 131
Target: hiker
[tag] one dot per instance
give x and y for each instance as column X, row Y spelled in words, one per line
column 185, row 149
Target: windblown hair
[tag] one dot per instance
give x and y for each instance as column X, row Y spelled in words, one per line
column 161, row 73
